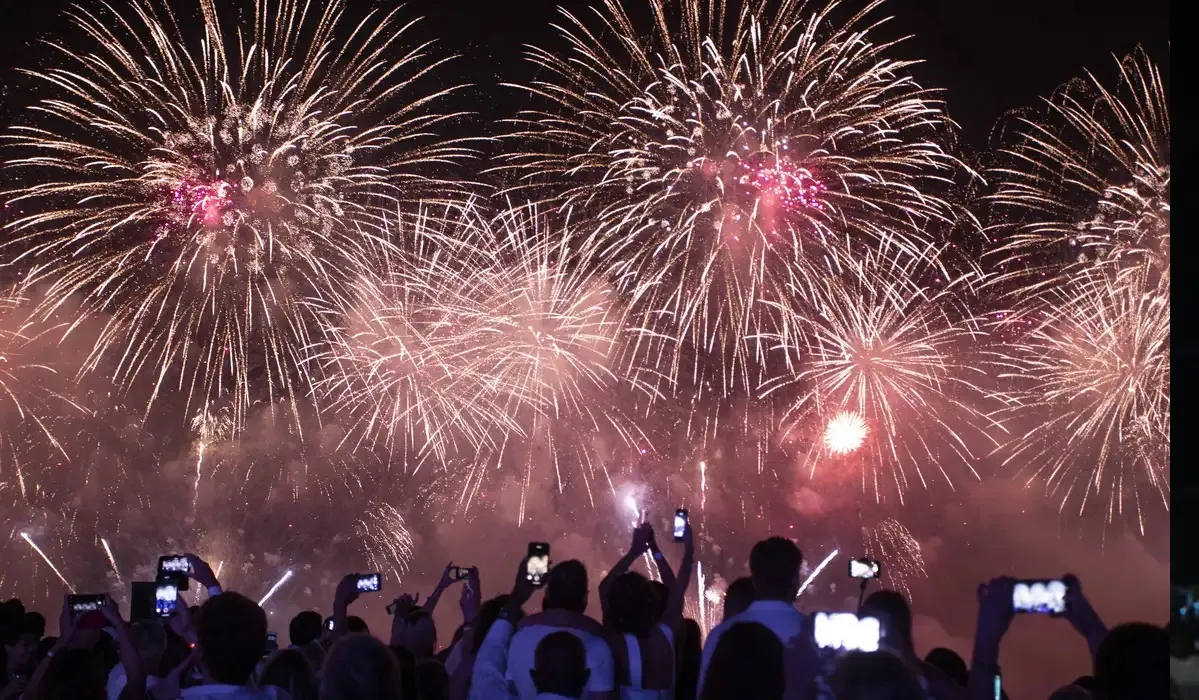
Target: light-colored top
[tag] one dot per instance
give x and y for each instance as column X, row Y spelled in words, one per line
column 117, row 682
column 234, row 692
column 635, row 690
column 524, row 645
column 489, row 680
column 781, row 618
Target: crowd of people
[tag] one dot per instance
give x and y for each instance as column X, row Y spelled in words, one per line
column 640, row 647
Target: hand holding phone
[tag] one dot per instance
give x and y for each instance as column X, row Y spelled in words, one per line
column 864, row 569
column 680, row 524
column 368, row 583
column 538, row 566
column 1047, row 597
column 460, row 573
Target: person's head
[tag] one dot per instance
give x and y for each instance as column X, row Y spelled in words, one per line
column 356, row 625
column 305, row 627
column 1133, row 661
column 774, row 566
column 746, row 663
column 661, row 599
column 560, row 665
column 950, row 663
column 1087, row 683
column 12, row 616
column 739, row 596
column 289, row 670
column 874, row 675
column 893, row 611
column 631, row 605
column 688, row 651
column 566, row 587
column 489, row 611
column 360, row 667
column 33, row 626
column 432, row 681
column 231, row 631
column 74, row 674
column 419, row 634
column 150, row 638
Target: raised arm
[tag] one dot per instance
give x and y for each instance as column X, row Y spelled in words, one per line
column 994, row 617
column 664, row 570
column 347, row 592
column 131, row 659
column 673, row 617
column 1082, row 616
column 447, row 580
column 641, row 536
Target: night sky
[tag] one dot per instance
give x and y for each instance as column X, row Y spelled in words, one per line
column 989, row 56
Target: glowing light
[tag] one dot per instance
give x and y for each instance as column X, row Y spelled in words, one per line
column 112, row 560
column 845, row 433
column 817, row 570
column 284, row 579
column 49, row 563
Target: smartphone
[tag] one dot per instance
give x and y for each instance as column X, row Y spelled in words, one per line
column 176, row 568
column 998, row 691
column 1044, row 597
column 864, row 569
column 680, row 524
column 368, row 583
column 272, row 642
column 846, row 632
column 86, row 602
column 141, row 601
column 329, row 624
column 459, row 573
column 166, row 596
column 538, row 566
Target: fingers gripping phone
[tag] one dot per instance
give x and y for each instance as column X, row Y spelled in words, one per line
column 846, row 632
column 538, row 566
column 864, row 569
column 680, row 524
column 1047, row 597
column 368, row 583
column 460, row 573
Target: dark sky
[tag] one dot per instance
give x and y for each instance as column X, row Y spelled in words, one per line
column 989, row 55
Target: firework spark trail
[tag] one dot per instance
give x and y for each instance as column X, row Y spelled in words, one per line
column 817, row 570
column 719, row 157
column 284, row 579
column 206, row 194
column 488, row 339
column 890, row 352
column 385, row 539
column 112, row 560
column 892, row 544
column 27, row 538
column 1085, row 261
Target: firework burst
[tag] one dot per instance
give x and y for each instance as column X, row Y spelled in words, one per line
column 1084, row 186
column 885, row 382
column 1082, row 213
column 719, row 156
column 202, row 192
column 1092, row 394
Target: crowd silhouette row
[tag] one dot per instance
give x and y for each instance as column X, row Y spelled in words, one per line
column 641, row 647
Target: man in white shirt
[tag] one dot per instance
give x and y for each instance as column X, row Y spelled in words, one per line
column 774, row 567
column 565, row 603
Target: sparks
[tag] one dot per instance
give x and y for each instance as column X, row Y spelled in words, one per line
column 284, row 579
column 49, row 563
column 845, row 433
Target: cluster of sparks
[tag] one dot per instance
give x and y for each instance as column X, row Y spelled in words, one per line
column 890, row 542
column 733, row 218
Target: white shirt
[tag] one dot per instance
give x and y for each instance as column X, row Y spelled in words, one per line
column 219, row 691
column 117, row 681
column 524, row 644
column 488, row 680
column 781, row 618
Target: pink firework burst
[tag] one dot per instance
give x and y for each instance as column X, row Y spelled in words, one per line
column 203, row 201
column 791, row 187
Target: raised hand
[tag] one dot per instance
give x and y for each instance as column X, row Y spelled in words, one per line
column 1081, row 615
column 347, row 591
column 201, row 571
column 468, row 602
column 643, row 534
